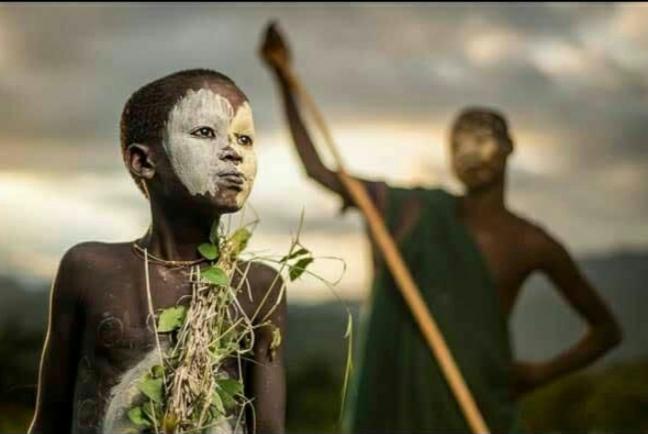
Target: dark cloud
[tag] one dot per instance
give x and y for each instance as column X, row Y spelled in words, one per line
column 75, row 65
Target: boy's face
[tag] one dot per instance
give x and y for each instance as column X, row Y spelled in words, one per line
column 478, row 158
column 210, row 143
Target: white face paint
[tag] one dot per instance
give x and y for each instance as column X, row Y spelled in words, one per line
column 475, row 147
column 201, row 131
column 477, row 156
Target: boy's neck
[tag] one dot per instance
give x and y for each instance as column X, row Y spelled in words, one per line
column 176, row 237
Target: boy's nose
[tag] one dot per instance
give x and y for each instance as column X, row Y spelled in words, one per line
column 230, row 154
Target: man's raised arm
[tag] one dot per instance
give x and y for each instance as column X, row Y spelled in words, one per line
column 276, row 54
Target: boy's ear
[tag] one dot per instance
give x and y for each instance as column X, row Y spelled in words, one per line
column 139, row 159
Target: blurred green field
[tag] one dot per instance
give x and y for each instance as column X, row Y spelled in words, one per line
column 614, row 400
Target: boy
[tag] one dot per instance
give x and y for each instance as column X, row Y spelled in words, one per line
column 188, row 141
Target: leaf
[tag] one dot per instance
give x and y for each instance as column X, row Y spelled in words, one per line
column 157, row 371
column 299, row 268
column 148, row 408
column 171, row 318
column 152, row 388
column 136, row 415
column 217, row 402
column 240, row 239
column 215, row 275
column 299, row 252
column 228, row 401
column 208, row 251
column 230, row 386
column 169, row 422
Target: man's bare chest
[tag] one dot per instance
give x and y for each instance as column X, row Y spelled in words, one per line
column 506, row 259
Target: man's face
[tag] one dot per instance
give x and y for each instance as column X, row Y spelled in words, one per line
column 210, row 142
column 478, row 158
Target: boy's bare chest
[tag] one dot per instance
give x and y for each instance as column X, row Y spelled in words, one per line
column 119, row 337
column 118, row 317
column 118, row 326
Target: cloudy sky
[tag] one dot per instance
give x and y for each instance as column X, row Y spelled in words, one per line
column 572, row 80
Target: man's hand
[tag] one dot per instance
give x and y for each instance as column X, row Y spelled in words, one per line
column 274, row 50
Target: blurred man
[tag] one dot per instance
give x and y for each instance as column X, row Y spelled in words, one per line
column 188, row 141
column 470, row 256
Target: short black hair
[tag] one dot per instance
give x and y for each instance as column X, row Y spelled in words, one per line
column 471, row 117
column 147, row 110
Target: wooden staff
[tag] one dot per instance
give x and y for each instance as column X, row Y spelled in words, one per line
column 399, row 270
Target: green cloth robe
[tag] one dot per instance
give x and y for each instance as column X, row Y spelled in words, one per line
column 397, row 385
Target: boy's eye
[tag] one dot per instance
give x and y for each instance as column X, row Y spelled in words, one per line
column 204, row 132
column 244, row 140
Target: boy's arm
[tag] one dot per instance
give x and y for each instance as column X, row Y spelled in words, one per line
column 267, row 381
column 54, row 402
column 603, row 330
column 275, row 53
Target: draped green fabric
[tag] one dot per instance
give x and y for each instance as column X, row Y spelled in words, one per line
column 397, row 385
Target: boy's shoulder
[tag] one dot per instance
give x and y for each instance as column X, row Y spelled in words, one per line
column 83, row 267
column 265, row 282
column 262, row 275
column 96, row 251
column 94, row 256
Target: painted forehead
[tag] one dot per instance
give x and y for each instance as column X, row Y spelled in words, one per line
column 206, row 107
column 480, row 129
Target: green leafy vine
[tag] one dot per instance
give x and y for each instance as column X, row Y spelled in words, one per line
column 189, row 390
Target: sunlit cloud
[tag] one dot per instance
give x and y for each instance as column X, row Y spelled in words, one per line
column 559, row 58
column 492, row 46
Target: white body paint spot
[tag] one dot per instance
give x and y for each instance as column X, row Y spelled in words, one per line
column 198, row 161
column 125, row 395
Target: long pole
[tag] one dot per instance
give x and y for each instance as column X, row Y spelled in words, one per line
column 399, row 270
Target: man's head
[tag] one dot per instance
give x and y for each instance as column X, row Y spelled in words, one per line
column 188, row 139
column 480, row 145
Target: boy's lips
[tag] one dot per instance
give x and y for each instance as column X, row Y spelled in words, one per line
column 232, row 174
column 232, row 179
